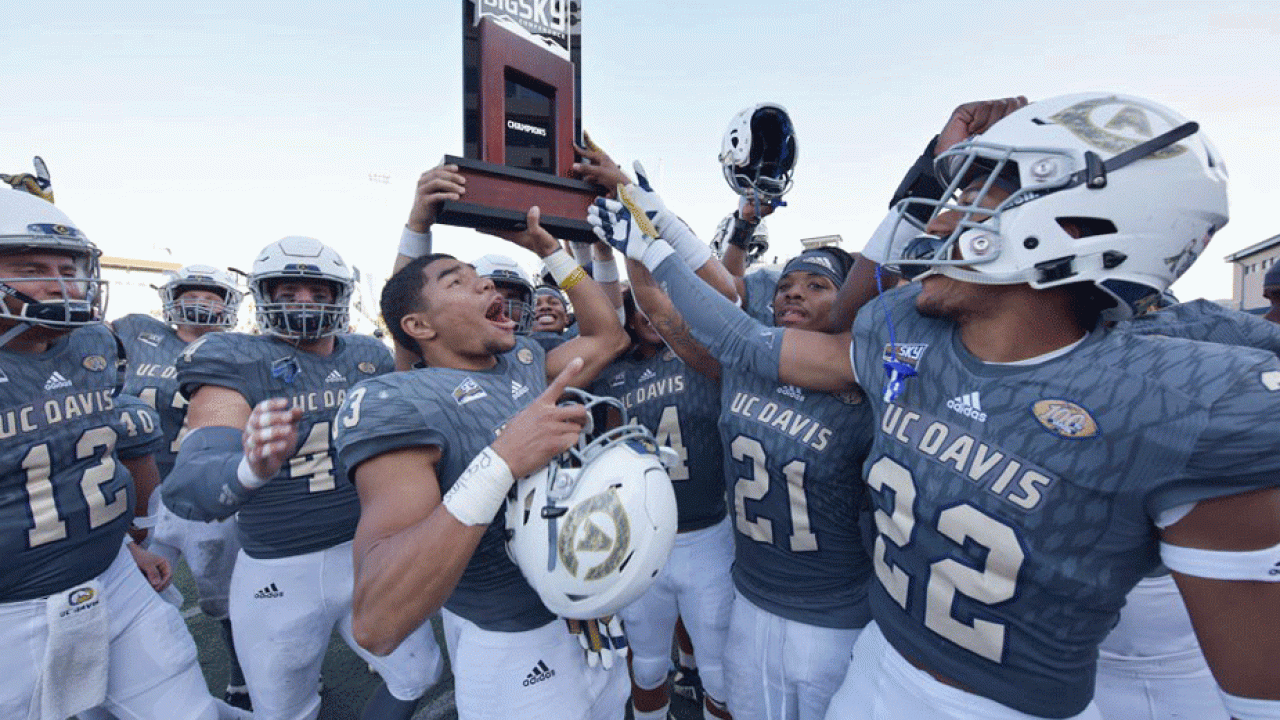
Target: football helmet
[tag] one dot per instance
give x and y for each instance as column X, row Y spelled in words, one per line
column 300, row 258
column 757, row 245
column 758, row 153
column 1141, row 189
column 506, row 273
column 591, row 530
column 189, row 311
column 29, row 224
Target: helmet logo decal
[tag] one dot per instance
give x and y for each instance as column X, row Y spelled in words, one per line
column 597, row 534
column 56, row 229
column 1179, row 263
column 1123, row 125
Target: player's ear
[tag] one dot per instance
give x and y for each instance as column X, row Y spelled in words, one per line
column 417, row 326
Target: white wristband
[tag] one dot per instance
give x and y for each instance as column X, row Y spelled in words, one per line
column 1253, row 565
column 657, row 251
column 603, row 271
column 247, row 477
column 415, row 244
column 691, row 250
column 479, row 491
column 560, row 265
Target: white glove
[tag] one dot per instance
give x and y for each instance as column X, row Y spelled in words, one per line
column 601, row 639
column 632, row 234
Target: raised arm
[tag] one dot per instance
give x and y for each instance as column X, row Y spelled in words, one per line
column 808, row 359
column 598, row 167
column 412, row 545
column 600, row 334
column 666, row 319
column 436, row 185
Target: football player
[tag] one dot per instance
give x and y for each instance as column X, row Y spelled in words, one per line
column 550, row 310
column 1030, row 465
column 1271, row 291
column 791, row 463
column 1150, row 665
column 296, row 513
column 512, row 282
column 195, row 300
column 433, row 453
column 680, row 406
column 72, row 603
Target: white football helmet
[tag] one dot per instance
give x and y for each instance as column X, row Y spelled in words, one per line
column 187, row 311
column 756, row 246
column 301, row 258
column 759, row 151
column 591, row 530
column 1144, row 189
column 505, row 272
column 29, row 225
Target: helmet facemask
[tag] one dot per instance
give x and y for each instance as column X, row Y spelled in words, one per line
column 304, row 321
column 301, row 259
column 179, row 310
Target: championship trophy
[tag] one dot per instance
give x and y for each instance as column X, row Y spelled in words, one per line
column 520, row 107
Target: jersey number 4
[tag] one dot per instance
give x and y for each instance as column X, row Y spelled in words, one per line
column 995, row 581
column 48, row 523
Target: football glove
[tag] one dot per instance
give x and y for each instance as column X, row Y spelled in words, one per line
column 601, row 639
column 627, row 229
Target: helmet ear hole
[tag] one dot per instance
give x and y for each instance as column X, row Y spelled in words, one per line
column 1083, row 227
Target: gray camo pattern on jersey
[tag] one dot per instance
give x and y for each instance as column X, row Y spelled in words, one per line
column 791, row 457
column 153, row 348
column 681, row 408
column 309, row 505
column 1043, row 482
column 461, row 412
column 60, row 426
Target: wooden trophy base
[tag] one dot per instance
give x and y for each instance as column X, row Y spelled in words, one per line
column 499, row 196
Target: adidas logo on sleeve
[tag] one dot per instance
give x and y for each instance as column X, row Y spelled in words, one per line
column 969, row 405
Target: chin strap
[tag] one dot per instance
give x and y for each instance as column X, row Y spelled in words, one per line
column 14, row 332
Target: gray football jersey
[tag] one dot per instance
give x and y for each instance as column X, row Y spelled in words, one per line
column 1208, row 322
column 792, row 462
column 65, row 500
column 461, row 412
column 309, row 505
column 680, row 407
column 1014, row 504
column 153, row 348
column 760, row 285
column 138, row 427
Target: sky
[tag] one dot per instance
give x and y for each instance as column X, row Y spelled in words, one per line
column 198, row 133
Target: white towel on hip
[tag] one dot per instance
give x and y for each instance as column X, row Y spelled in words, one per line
column 74, row 677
